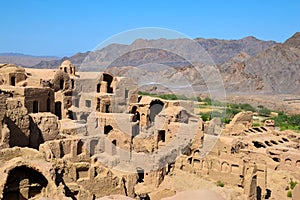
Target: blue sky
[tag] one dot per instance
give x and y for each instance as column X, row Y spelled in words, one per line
column 64, row 27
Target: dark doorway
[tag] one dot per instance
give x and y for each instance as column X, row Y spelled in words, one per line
column 141, row 175
column 133, row 109
column 72, row 83
column 108, row 78
column 114, row 147
column 98, row 87
column 161, row 136
column 136, row 116
column 61, row 84
column 156, row 107
column 13, row 81
column 48, row 105
column 35, row 107
column 23, row 183
column 79, row 147
column 258, row 193
column 107, row 129
column 107, row 108
column 58, row 109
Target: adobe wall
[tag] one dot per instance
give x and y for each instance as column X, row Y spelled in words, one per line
column 126, row 92
column 44, row 98
column 18, row 123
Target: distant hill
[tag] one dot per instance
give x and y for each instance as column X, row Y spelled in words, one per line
column 219, row 51
column 23, row 59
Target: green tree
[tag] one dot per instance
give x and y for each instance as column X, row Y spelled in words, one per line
column 264, row 112
column 247, row 107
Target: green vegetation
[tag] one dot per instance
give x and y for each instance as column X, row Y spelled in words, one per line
column 209, row 115
column 247, row 107
column 257, row 124
column 293, row 184
column 166, row 96
column 263, row 111
column 220, row 184
column 289, row 194
column 285, row 122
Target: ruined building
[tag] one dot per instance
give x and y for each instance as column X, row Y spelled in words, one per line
column 67, row 134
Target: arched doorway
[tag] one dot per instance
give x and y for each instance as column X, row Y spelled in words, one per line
column 156, row 107
column 23, row 183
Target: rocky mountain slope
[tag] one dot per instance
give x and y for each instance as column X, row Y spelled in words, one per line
column 275, row 70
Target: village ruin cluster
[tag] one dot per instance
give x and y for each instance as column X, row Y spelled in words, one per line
column 85, row 135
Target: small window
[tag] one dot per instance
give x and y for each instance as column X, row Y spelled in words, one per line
column 76, row 102
column 126, row 93
column 88, row 103
column 61, row 84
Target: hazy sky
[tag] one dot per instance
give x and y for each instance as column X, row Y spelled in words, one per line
column 53, row 27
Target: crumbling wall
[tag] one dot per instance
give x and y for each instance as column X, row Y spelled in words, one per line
column 16, row 163
column 240, row 122
column 18, row 122
column 43, row 127
column 61, row 81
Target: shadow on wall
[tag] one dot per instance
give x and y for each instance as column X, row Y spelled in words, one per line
column 17, row 137
column 36, row 137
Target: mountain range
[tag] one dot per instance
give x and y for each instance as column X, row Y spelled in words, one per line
column 247, row 65
column 23, row 59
